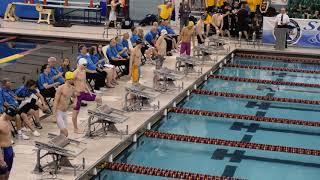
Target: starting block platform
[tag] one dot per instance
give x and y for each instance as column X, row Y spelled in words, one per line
column 188, row 63
column 103, row 119
column 164, row 79
column 139, row 98
column 57, row 148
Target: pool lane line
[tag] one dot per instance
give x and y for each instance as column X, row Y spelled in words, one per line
column 243, row 117
column 279, row 57
column 230, row 143
column 17, row 56
column 152, row 171
column 254, row 97
column 271, row 68
column 263, row 81
column 8, row 39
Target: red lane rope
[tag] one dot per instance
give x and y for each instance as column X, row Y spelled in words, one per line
column 271, row 68
column 8, row 39
column 255, row 97
column 279, row 57
column 244, row 117
column 262, row 81
column 124, row 167
column 230, row 143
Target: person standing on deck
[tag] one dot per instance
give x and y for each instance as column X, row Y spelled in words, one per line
column 187, row 35
column 83, row 92
column 6, row 150
column 62, row 102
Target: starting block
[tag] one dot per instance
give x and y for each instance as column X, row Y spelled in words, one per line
column 167, row 76
column 106, row 118
column 203, row 53
column 139, row 98
column 188, row 63
column 61, row 156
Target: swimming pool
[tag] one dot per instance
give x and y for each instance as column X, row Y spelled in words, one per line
column 11, row 46
column 238, row 121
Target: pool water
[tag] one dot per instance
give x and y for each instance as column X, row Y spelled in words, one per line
column 231, row 161
column 15, row 47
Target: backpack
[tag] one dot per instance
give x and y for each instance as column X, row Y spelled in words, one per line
column 148, row 20
column 127, row 23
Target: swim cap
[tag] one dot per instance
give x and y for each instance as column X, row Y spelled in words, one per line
column 190, row 24
column 164, row 32
column 69, row 75
column 82, row 61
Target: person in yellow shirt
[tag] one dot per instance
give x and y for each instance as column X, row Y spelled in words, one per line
column 219, row 3
column 253, row 5
column 210, row 5
column 207, row 22
column 165, row 10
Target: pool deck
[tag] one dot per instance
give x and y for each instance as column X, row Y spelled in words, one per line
column 76, row 32
column 25, row 154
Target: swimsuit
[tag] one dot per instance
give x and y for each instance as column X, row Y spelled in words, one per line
column 8, row 158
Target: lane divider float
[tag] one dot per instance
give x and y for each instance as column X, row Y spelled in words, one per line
column 263, row 81
column 244, row 117
column 279, row 57
column 255, row 97
column 124, row 167
column 271, row 68
column 8, row 39
column 231, row 143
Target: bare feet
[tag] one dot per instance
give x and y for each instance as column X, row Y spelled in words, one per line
column 109, row 85
column 78, row 131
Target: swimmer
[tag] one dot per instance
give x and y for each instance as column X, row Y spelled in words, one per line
column 135, row 60
column 62, row 102
column 6, row 150
column 83, row 91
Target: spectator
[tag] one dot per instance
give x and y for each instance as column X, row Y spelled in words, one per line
column 56, row 70
column 184, row 12
column 115, row 58
column 207, row 23
column 46, row 83
column 29, row 103
column 226, row 28
column 210, row 5
column 91, row 69
column 65, row 66
column 105, row 66
column 217, row 21
column 123, row 51
column 125, row 41
column 94, row 54
column 11, row 101
column 134, row 36
column 165, row 10
column 151, row 36
column 113, row 14
column 242, row 24
column 315, row 15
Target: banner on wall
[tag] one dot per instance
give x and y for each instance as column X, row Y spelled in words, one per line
column 279, row 2
column 302, row 32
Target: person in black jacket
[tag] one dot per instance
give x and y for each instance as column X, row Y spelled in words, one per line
column 184, row 13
